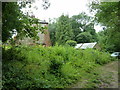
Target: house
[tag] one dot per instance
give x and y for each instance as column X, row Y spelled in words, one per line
column 44, row 38
column 88, row 45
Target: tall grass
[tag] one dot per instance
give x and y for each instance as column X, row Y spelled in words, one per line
column 48, row 67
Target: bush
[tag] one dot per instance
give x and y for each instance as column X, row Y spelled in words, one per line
column 71, row 43
column 48, row 67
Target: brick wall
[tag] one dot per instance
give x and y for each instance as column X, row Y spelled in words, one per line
column 43, row 38
column 47, row 40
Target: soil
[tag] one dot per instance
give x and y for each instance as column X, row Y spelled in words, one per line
column 108, row 77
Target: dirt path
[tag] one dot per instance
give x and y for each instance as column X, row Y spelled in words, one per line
column 109, row 75
column 107, row 78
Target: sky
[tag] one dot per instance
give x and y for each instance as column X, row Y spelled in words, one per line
column 59, row 7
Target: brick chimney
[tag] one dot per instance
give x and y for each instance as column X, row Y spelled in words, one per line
column 46, row 40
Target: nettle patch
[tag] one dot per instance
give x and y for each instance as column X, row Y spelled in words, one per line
column 48, row 67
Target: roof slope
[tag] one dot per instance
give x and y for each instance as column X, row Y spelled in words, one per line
column 85, row 45
column 78, row 45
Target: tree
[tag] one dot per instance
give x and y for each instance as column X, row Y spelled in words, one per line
column 75, row 26
column 102, row 40
column 107, row 14
column 13, row 20
column 63, row 30
column 52, row 30
column 84, row 37
column 77, row 23
column 90, row 28
column 83, row 23
column 10, row 19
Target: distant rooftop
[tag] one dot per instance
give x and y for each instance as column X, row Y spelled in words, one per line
column 78, row 45
column 43, row 22
column 88, row 45
column 85, row 45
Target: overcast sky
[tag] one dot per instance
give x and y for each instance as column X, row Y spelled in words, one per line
column 59, row 7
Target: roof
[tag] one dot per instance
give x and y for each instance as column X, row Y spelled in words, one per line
column 43, row 22
column 85, row 45
column 78, row 45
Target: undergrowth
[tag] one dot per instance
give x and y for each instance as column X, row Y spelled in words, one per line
column 48, row 67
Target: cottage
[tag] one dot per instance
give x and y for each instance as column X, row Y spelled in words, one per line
column 43, row 38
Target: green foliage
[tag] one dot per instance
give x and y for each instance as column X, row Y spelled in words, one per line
column 10, row 19
column 107, row 14
column 48, row 67
column 103, row 41
column 71, row 43
column 60, row 30
column 84, row 37
column 52, row 30
column 63, row 30
column 83, row 23
column 14, row 21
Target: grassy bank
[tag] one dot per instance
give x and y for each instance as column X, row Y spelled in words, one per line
column 48, row 67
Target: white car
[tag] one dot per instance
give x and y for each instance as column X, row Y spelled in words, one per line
column 115, row 54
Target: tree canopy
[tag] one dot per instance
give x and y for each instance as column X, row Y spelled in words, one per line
column 83, row 23
column 13, row 20
column 63, row 30
column 107, row 14
column 73, row 28
column 84, row 37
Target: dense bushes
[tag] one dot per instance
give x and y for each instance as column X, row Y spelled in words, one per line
column 71, row 43
column 48, row 67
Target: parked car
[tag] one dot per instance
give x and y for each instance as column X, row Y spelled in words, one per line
column 116, row 54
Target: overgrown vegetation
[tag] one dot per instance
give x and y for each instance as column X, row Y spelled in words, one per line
column 14, row 21
column 71, row 43
column 51, row 67
column 33, row 67
column 107, row 14
column 79, row 28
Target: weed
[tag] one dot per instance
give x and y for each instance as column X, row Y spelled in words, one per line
column 49, row 67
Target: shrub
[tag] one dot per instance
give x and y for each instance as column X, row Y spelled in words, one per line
column 71, row 43
column 48, row 67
